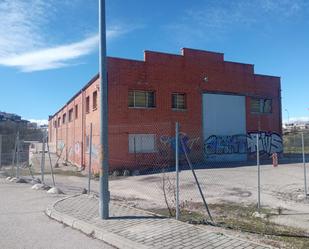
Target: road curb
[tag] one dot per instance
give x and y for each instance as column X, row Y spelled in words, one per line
column 121, row 242
column 91, row 230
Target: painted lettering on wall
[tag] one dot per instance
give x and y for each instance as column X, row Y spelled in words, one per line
column 171, row 142
column 75, row 150
column 95, row 152
column 269, row 142
column 60, row 144
column 235, row 144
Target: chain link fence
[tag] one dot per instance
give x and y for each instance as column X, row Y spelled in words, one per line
column 292, row 143
column 218, row 176
column 218, row 180
column 14, row 153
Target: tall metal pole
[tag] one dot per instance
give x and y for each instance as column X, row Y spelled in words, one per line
column 288, row 115
column 90, row 158
column 104, row 192
column 177, row 168
column 304, row 162
column 259, row 171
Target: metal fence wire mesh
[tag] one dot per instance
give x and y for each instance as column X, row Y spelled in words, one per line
column 292, row 143
column 218, row 175
column 13, row 151
column 142, row 164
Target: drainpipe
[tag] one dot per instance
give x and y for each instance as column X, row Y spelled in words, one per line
column 83, row 119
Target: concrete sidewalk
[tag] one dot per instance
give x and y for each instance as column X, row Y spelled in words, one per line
column 134, row 228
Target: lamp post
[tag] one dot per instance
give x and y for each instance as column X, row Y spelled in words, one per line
column 104, row 192
column 288, row 115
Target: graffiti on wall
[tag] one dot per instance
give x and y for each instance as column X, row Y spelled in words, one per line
column 71, row 152
column 269, row 142
column 60, row 144
column 235, row 144
column 77, row 148
column 94, row 152
column 170, row 141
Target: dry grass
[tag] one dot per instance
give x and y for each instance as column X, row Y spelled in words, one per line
column 240, row 218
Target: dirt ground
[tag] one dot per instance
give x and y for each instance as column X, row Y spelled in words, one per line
column 281, row 188
column 35, row 161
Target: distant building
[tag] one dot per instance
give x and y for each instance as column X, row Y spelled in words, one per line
column 9, row 116
column 301, row 126
column 43, row 127
column 220, row 105
column 32, row 125
column 296, row 126
column 289, row 127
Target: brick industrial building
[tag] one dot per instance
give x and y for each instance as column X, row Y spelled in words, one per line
column 220, row 105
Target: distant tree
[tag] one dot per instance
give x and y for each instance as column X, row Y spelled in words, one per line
column 9, row 129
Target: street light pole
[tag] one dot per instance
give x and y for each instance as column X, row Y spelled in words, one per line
column 288, row 115
column 104, row 192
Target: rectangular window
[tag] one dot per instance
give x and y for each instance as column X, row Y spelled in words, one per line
column 255, row 105
column 144, row 99
column 179, row 101
column 266, row 105
column 95, row 100
column 64, row 118
column 70, row 115
column 55, row 124
column 76, row 111
column 87, row 104
column 142, row 143
column 260, row 105
column 59, row 122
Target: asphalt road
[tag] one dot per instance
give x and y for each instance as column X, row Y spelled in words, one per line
column 23, row 224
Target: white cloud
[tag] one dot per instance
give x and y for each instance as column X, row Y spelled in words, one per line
column 286, row 8
column 38, row 121
column 24, row 42
column 19, row 26
column 215, row 18
column 51, row 57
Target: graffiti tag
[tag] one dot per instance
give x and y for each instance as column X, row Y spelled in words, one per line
column 187, row 141
column 269, row 142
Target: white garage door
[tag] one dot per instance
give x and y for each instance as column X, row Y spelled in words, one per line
column 224, row 127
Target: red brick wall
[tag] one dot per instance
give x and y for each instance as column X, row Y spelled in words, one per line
column 164, row 74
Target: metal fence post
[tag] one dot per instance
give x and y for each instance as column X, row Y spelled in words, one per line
column 14, row 156
column 90, row 158
column 177, row 168
column 43, row 159
column 0, row 151
column 304, row 162
column 18, row 156
column 134, row 143
column 51, row 165
column 259, row 171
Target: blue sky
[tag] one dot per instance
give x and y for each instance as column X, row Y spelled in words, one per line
column 48, row 49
